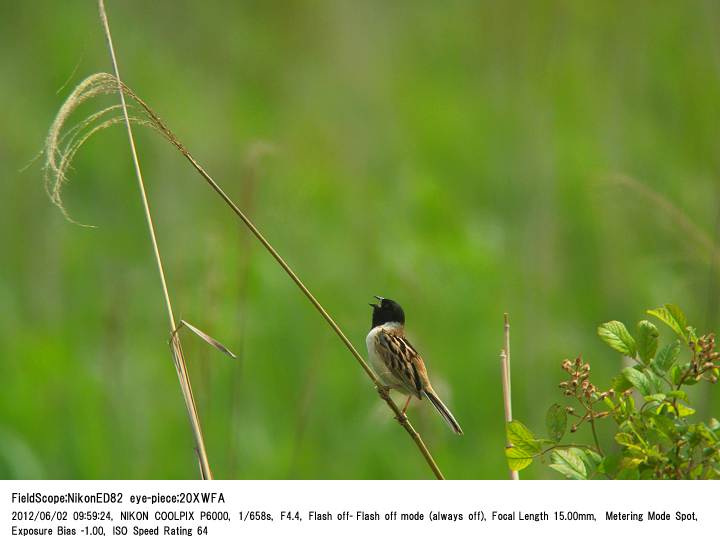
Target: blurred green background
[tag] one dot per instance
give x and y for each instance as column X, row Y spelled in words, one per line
column 555, row 160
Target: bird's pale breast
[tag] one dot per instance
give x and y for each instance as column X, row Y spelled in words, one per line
column 377, row 363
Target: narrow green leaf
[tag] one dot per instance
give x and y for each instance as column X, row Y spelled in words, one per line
column 615, row 334
column 673, row 317
column 517, row 458
column 684, row 411
column 556, row 422
column 682, row 395
column 630, row 462
column 630, row 404
column 624, row 439
column 521, row 437
column 676, row 373
column 569, row 463
column 667, row 357
column 655, row 382
column 647, row 340
column 656, row 397
column 638, row 380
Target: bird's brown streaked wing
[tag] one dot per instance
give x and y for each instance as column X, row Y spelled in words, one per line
column 403, row 361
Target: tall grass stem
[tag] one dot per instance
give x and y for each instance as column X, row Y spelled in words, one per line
column 505, row 374
column 178, row 357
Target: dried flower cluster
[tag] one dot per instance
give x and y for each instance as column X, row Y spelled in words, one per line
column 703, row 362
column 581, row 387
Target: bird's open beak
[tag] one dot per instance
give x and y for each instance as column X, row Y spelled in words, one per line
column 374, row 305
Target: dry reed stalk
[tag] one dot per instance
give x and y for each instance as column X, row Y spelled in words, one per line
column 506, row 333
column 175, row 346
column 505, row 372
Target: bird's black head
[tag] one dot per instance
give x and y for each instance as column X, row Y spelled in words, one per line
column 387, row 311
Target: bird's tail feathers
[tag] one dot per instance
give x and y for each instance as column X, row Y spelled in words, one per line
column 444, row 412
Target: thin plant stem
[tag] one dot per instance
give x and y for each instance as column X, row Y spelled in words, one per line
column 507, row 354
column 180, row 365
column 514, row 475
column 594, row 433
column 590, row 415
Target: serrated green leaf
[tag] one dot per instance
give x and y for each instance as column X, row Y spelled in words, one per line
column 556, row 422
column 673, row 316
column 569, row 462
column 591, row 459
column 677, row 314
column 615, row 334
column 517, row 458
column 620, row 383
column 647, row 340
column 667, row 357
column 655, row 397
column 638, row 380
column 656, row 383
column 665, row 426
column 521, row 437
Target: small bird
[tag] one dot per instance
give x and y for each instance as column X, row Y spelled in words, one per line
column 396, row 362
